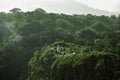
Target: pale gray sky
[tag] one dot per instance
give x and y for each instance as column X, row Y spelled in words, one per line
column 25, row 5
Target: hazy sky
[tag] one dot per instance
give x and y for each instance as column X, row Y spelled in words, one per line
column 6, row 5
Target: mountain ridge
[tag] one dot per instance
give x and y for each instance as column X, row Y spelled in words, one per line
column 73, row 7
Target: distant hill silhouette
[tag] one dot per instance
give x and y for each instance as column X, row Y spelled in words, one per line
column 74, row 7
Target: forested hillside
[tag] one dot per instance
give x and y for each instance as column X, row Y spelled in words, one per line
column 38, row 45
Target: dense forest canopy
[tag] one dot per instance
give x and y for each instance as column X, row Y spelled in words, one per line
column 38, row 45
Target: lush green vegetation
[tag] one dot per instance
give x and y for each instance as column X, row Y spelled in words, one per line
column 38, row 45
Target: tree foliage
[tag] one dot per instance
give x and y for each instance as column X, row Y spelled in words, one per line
column 36, row 45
